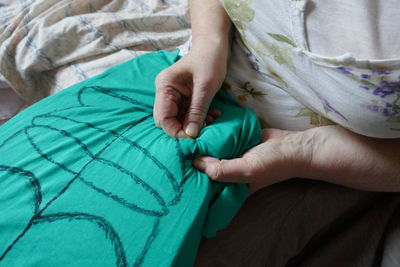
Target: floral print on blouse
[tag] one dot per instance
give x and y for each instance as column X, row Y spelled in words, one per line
column 273, row 72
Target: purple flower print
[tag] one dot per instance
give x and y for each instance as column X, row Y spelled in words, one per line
column 383, row 84
column 364, row 87
column 253, row 60
column 389, row 112
column 327, row 105
column 381, row 72
column 387, row 88
column 386, row 111
column 345, row 70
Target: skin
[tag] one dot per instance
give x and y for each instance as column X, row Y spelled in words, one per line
column 185, row 90
column 329, row 153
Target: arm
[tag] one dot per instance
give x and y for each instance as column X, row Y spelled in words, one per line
column 330, row 153
column 184, row 91
column 352, row 160
column 210, row 25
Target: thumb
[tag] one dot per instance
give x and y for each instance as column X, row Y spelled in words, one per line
column 197, row 111
column 233, row 171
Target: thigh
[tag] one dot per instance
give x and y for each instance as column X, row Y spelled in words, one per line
column 302, row 223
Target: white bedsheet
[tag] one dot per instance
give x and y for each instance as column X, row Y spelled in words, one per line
column 48, row 45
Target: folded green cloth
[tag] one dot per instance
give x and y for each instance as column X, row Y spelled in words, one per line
column 87, row 179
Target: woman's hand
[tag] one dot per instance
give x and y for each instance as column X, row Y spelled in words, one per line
column 185, row 90
column 277, row 158
column 329, row 153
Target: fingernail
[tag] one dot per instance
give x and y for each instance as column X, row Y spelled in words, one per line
column 192, row 129
column 199, row 164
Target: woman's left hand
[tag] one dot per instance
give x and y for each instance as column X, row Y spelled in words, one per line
column 277, row 158
column 327, row 153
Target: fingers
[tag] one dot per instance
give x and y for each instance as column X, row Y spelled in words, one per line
column 215, row 113
column 212, row 115
column 166, row 110
column 181, row 103
column 230, row 171
column 233, row 171
column 270, row 133
column 170, row 94
column 197, row 111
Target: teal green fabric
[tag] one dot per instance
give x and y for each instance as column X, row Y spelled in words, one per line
column 86, row 179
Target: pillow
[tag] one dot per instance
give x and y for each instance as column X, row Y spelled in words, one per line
column 86, row 178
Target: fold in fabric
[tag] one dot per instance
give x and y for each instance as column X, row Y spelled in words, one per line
column 87, row 178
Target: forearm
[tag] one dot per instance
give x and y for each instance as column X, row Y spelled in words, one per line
column 211, row 26
column 356, row 161
column 186, row 89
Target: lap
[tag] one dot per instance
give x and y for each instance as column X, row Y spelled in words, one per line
column 303, row 223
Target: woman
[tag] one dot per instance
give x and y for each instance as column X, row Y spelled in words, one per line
column 360, row 151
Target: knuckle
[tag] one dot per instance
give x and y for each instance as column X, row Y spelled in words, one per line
column 170, row 93
column 196, row 111
column 164, row 77
column 166, row 96
column 160, row 79
column 207, row 83
column 252, row 168
column 219, row 172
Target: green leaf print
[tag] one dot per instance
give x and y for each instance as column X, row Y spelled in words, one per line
column 315, row 118
column 277, row 77
column 261, row 54
column 239, row 11
column 280, row 54
column 226, row 86
column 366, row 82
column 282, row 38
column 246, row 90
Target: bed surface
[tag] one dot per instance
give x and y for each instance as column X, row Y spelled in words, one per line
column 49, row 45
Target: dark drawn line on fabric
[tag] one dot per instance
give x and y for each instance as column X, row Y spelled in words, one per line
column 118, row 136
column 33, row 181
column 57, row 196
column 38, row 150
column 102, row 223
column 182, row 160
column 112, row 94
column 177, row 188
column 137, row 180
column 85, row 166
column 8, row 249
column 8, row 139
column 150, row 240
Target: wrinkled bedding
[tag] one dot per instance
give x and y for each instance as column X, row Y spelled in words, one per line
column 48, row 45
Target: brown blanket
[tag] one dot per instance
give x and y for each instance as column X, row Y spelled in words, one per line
column 309, row 223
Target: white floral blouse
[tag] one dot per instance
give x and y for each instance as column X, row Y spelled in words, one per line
column 273, row 72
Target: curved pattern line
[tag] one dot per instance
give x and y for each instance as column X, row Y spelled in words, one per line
column 111, row 234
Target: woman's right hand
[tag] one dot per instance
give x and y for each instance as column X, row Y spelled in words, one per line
column 185, row 90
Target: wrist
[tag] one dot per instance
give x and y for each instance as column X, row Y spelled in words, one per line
column 325, row 147
column 215, row 46
column 298, row 148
